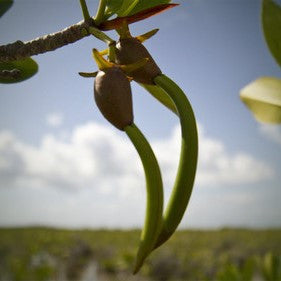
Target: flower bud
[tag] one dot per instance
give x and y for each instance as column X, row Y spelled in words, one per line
column 113, row 96
column 131, row 50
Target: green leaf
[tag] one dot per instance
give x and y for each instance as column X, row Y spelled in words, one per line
column 5, row 5
column 271, row 21
column 130, row 7
column 127, row 7
column 20, row 70
column 113, row 6
column 263, row 98
column 145, row 4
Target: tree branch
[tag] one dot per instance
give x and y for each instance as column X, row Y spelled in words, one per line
column 20, row 50
column 50, row 42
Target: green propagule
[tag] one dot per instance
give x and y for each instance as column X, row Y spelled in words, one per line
column 129, row 60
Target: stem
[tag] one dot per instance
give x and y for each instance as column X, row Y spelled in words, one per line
column 111, row 52
column 100, row 35
column 188, row 159
column 100, row 12
column 161, row 96
column 50, row 42
column 154, row 187
column 85, row 10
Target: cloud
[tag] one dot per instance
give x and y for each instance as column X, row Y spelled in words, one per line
column 216, row 166
column 99, row 156
column 94, row 178
column 54, row 119
column 272, row 132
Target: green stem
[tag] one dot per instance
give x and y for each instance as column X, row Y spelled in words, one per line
column 188, row 159
column 85, row 11
column 100, row 13
column 111, row 52
column 100, row 35
column 161, row 96
column 154, row 186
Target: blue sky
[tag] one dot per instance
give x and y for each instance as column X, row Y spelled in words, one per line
column 62, row 164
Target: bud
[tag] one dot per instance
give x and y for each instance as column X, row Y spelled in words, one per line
column 131, row 50
column 113, row 96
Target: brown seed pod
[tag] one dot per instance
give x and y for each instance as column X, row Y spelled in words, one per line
column 131, row 50
column 113, row 96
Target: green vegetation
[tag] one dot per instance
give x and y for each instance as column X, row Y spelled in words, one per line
column 227, row 254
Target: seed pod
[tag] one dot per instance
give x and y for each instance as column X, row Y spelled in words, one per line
column 183, row 185
column 113, row 96
column 131, row 50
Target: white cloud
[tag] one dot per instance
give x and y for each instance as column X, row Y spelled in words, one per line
column 272, row 132
column 54, row 119
column 102, row 171
column 215, row 166
column 95, row 155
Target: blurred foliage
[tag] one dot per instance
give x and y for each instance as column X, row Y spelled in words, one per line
column 5, row 5
column 221, row 255
column 244, row 272
column 20, row 70
column 271, row 267
column 263, row 98
column 271, row 23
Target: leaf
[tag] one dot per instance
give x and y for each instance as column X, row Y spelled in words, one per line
column 127, row 7
column 263, row 98
column 112, row 6
column 5, row 5
column 145, row 4
column 271, row 22
column 118, row 22
column 23, row 69
column 130, row 7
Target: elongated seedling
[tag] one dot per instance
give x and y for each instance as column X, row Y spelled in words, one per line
column 113, row 96
column 188, row 159
column 154, row 203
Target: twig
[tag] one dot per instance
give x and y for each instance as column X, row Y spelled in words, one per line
column 19, row 50
column 50, row 42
